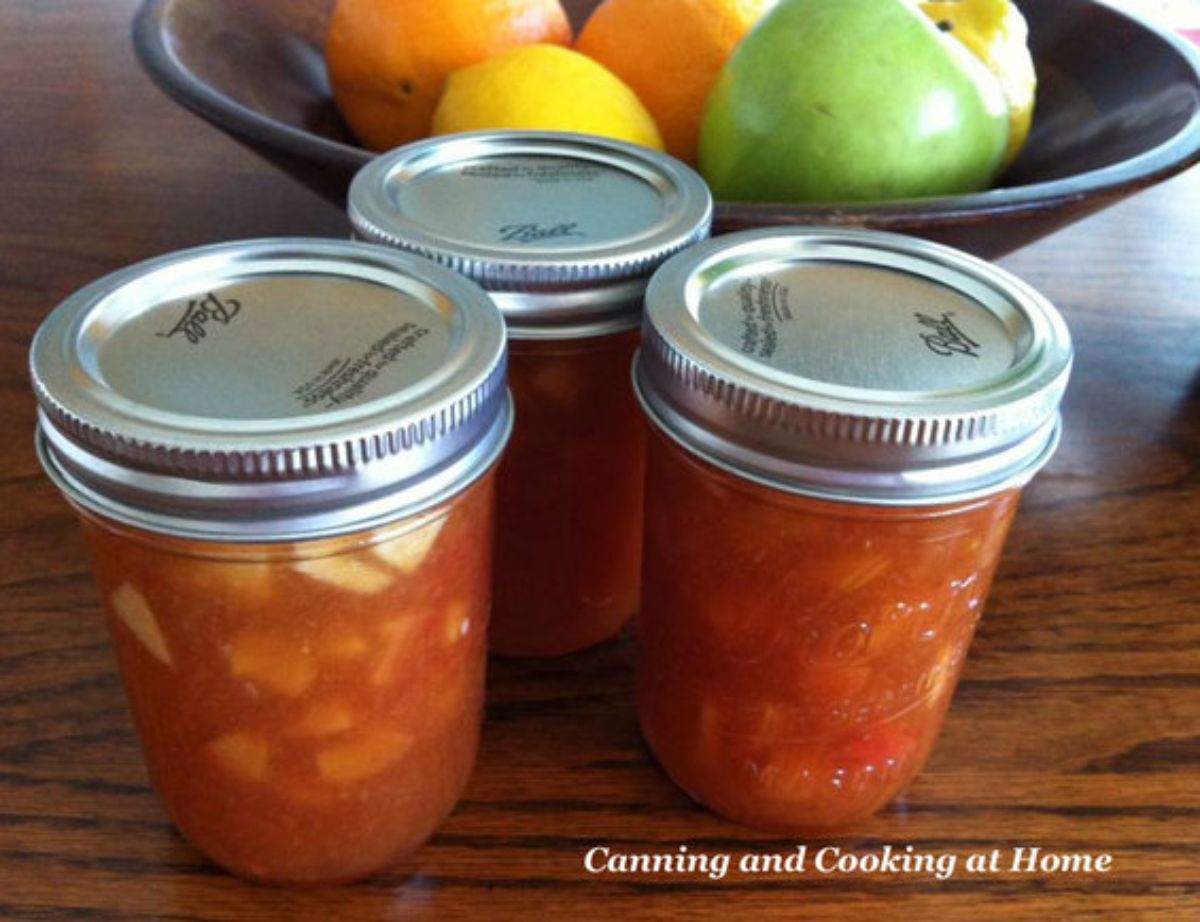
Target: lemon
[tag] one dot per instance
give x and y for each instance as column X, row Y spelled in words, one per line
column 544, row 87
column 996, row 33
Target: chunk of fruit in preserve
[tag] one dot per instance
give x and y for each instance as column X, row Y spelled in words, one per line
column 131, row 607
column 327, row 717
column 297, row 587
column 353, row 574
column 362, row 755
column 242, row 755
column 406, row 552
column 273, row 660
column 841, row 426
column 564, row 230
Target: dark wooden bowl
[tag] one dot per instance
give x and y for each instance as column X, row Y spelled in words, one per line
column 1118, row 110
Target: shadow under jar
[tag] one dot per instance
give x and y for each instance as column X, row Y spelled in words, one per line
column 282, row 455
column 564, row 231
column 841, row 425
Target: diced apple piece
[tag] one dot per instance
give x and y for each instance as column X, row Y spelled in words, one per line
column 770, row 721
column 324, row 718
column 241, row 583
column 340, row 644
column 244, row 755
column 273, row 659
column 367, row 754
column 406, row 552
column 248, row 579
column 137, row 615
column 395, row 635
column 346, row 571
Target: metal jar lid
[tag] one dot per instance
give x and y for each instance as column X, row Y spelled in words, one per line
column 564, row 229
column 853, row 365
column 270, row 390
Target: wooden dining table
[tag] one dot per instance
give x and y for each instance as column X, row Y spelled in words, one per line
column 1066, row 782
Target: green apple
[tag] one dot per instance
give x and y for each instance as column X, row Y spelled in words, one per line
column 851, row 100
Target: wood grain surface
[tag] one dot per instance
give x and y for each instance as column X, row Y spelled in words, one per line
column 1076, row 727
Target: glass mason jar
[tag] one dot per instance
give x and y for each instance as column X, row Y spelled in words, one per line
column 841, row 425
column 564, row 231
column 282, row 453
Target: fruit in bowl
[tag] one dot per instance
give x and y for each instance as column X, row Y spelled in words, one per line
column 542, row 86
column 256, row 71
column 388, row 59
column 404, row 69
column 788, row 100
column 996, row 33
column 851, row 100
column 670, row 53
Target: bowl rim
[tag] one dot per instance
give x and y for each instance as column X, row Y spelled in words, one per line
column 152, row 47
column 1172, row 156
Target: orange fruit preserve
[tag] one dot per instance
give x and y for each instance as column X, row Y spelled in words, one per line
column 841, row 424
column 307, row 712
column 388, row 59
column 670, row 52
column 563, row 230
column 569, row 497
column 294, row 555
column 797, row 656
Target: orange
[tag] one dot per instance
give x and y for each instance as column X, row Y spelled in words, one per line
column 388, row 59
column 670, row 53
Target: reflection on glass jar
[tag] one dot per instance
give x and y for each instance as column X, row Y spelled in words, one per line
column 841, row 425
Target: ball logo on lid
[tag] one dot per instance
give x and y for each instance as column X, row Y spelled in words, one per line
column 534, row 232
column 946, row 337
column 199, row 313
column 564, row 228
